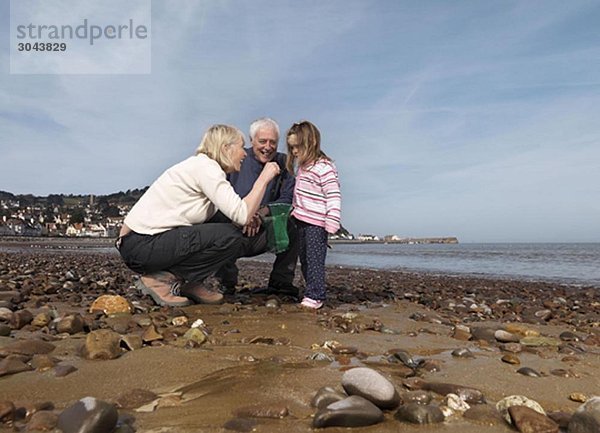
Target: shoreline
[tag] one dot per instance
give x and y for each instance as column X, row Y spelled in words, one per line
column 106, row 246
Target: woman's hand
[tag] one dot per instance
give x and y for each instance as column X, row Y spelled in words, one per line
column 252, row 228
column 255, row 196
column 269, row 171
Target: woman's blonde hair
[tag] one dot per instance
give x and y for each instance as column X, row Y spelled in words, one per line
column 309, row 142
column 216, row 140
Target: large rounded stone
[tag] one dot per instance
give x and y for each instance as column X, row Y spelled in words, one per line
column 88, row 415
column 354, row 411
column 371, row 385
column 111, row 304
column 586, row 418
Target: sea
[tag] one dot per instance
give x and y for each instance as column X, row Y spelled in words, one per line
column 575, row 264
column 569, row 263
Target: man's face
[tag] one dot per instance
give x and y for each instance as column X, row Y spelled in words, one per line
column 264, row 144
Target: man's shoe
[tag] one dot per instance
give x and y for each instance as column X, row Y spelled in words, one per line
column 200, row 294
column 227, row 288
column 163, row 288
column 283, row 289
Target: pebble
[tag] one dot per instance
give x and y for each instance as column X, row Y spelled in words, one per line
column 28, row 347
column 4, row 330
column 42, row 421
column 527, row 420
column 560, row 418
column 88, row 415
column 320, row 356
column 419, row 414
column 505, row 337
column 42, row 319
column 461, row 332
column 518, row 328
column 462, row 353
column 405, row 358
column 456, row 403
column 25, row 410
column 569, row 336
column 10, row 366
column 484, row 333
column 468, row 394
column 102, row 344
column 5, row 314
column 578, row 397
column 511, row 347
column 132, row 341
column 586, row 418
column 344, row 350
column 483, row 414
column 371, row 385
column 325, row 396
column 21, row 318
column 71, row 324
column 272, row 303
column 63, row 370
column 354, row 411
column 7, row 411
column 511, row 358
column 527, row 371
column 135, row 398
column 179, row 321
column 195, row 336
column 151, row 334
column 517, row 400
column 561, row 372
column 43, row 362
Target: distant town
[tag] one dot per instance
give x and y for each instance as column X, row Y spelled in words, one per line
column 90, row 216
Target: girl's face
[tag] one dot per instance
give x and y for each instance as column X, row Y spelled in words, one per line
column 294, row 146
column 237, row 153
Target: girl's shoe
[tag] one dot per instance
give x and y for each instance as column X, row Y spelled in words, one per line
column 313, row 304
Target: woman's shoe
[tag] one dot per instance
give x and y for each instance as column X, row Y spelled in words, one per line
column 163, row 288
column 200, row 294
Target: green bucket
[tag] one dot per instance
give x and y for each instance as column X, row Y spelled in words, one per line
column 276, row 227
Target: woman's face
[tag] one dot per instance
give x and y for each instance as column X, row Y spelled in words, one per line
column 237, row 155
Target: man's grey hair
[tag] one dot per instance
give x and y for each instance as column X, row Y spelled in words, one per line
column 263, row 122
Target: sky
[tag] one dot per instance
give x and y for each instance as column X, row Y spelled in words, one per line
column 474, row 119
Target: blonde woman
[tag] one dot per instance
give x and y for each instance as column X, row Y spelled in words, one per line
column 168, row 236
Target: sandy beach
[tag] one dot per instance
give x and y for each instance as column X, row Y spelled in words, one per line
column 264, row 358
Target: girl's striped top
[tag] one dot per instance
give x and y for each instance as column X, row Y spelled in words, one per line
column 317, row 197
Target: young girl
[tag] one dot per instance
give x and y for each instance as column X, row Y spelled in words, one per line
column 316, row 206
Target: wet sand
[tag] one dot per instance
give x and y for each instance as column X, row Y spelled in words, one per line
column 259, row 347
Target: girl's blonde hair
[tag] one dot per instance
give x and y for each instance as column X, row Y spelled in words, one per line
column 309, row 142
column 216, row 140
